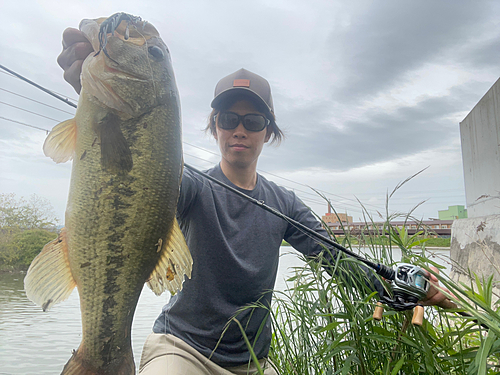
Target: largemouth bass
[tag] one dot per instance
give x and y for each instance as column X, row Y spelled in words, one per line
column 120, row 227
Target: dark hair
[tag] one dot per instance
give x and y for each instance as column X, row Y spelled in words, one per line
column 277, row 134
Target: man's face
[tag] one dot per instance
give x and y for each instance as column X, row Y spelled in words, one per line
column 240, row 148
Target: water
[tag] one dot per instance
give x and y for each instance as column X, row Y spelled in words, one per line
column 34, row 342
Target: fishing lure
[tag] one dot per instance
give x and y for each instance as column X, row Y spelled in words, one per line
column 110, row 25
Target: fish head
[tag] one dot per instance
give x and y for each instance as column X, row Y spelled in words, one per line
column 131, row 71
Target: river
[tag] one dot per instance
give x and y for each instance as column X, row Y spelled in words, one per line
column 37, row 342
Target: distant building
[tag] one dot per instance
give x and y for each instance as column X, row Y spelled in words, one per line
column 437, row 227
column 452, row 213
column 332, row 218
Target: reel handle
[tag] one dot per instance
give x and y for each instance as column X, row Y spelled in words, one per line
column 379, row 310
column 418, row 315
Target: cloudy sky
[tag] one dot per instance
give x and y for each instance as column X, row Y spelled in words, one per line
column 367, row 92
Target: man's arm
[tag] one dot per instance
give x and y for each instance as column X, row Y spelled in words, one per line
column 310, row 247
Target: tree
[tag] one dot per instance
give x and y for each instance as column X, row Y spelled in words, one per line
column 24, row 246
column 25, row 227
column 37, row 212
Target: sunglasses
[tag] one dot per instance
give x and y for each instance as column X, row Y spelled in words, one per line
column 251, row 121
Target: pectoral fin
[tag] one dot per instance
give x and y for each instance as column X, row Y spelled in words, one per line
column 60, row 144
column 116, row 156
column 174, row 263
column 49, row 279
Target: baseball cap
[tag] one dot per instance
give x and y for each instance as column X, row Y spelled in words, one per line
column 246, row 83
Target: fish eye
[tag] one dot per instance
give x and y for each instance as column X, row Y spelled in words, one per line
column 156, row 52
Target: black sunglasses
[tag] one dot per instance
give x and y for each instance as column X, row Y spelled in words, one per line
column 251, row 121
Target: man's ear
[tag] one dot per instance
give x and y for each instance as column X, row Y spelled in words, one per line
column 269, row 132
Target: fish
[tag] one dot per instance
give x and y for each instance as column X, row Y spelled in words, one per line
column 120, row 222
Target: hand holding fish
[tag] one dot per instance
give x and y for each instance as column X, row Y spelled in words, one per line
column 76, row 47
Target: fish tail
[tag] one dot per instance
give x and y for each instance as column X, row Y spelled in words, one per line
column 78, row 365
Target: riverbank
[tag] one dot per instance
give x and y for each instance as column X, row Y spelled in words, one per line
column 430, row 245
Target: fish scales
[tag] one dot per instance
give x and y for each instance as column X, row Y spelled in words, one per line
column 120, row 228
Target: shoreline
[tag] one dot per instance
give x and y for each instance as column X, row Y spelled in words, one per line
column 446, row 248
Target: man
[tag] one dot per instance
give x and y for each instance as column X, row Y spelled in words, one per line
column 234, row 244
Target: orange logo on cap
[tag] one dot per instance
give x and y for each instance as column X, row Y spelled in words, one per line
column 241, row 83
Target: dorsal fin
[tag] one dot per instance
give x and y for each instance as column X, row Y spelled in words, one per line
column 60, row 144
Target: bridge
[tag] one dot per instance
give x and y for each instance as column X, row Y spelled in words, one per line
column 441, row 228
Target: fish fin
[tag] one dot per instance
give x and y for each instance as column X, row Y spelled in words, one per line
column 49, row 279
column 175, row 262
column 116, row 156
column 120, row 365
column 60, row 144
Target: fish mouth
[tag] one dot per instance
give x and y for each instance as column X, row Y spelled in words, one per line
column 128, row 76
column 130, row 29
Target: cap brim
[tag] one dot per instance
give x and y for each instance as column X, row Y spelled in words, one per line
column 226, row 94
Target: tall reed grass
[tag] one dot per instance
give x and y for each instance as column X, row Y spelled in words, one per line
column 323, row 324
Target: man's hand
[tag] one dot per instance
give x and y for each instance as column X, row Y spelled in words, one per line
column 75, row 49
column 434, row 296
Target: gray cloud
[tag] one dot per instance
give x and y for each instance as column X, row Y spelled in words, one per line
column 390, row 38
column 379, row 136
column 324, row 62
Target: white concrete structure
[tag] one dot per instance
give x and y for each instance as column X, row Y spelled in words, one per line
column 480, row 135
column 475, row 243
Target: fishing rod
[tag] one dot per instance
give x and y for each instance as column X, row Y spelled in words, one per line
column 65, row 100
column 409, row 282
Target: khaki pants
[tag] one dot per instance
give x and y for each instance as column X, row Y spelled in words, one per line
column 167, row 354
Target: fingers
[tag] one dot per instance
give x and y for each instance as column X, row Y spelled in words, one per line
column 72, row 75
column 434, row 296
column 72, row 36
column 76, row 48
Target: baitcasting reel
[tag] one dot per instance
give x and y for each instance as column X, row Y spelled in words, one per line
column 409, row 285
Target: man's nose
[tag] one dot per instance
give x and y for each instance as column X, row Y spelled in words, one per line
column 240, row 131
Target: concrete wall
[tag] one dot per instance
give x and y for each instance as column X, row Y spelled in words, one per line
column 480, row 135
column 475, row 245
column 475, row 242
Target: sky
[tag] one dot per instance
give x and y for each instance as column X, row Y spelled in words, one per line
column 368, row 93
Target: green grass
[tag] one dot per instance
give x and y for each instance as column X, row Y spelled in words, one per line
column 324, row 325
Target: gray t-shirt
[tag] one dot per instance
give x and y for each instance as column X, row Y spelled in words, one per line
column 235, row 248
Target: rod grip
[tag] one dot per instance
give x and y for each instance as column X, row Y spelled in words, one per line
column 379, row 310
column 418, row 315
